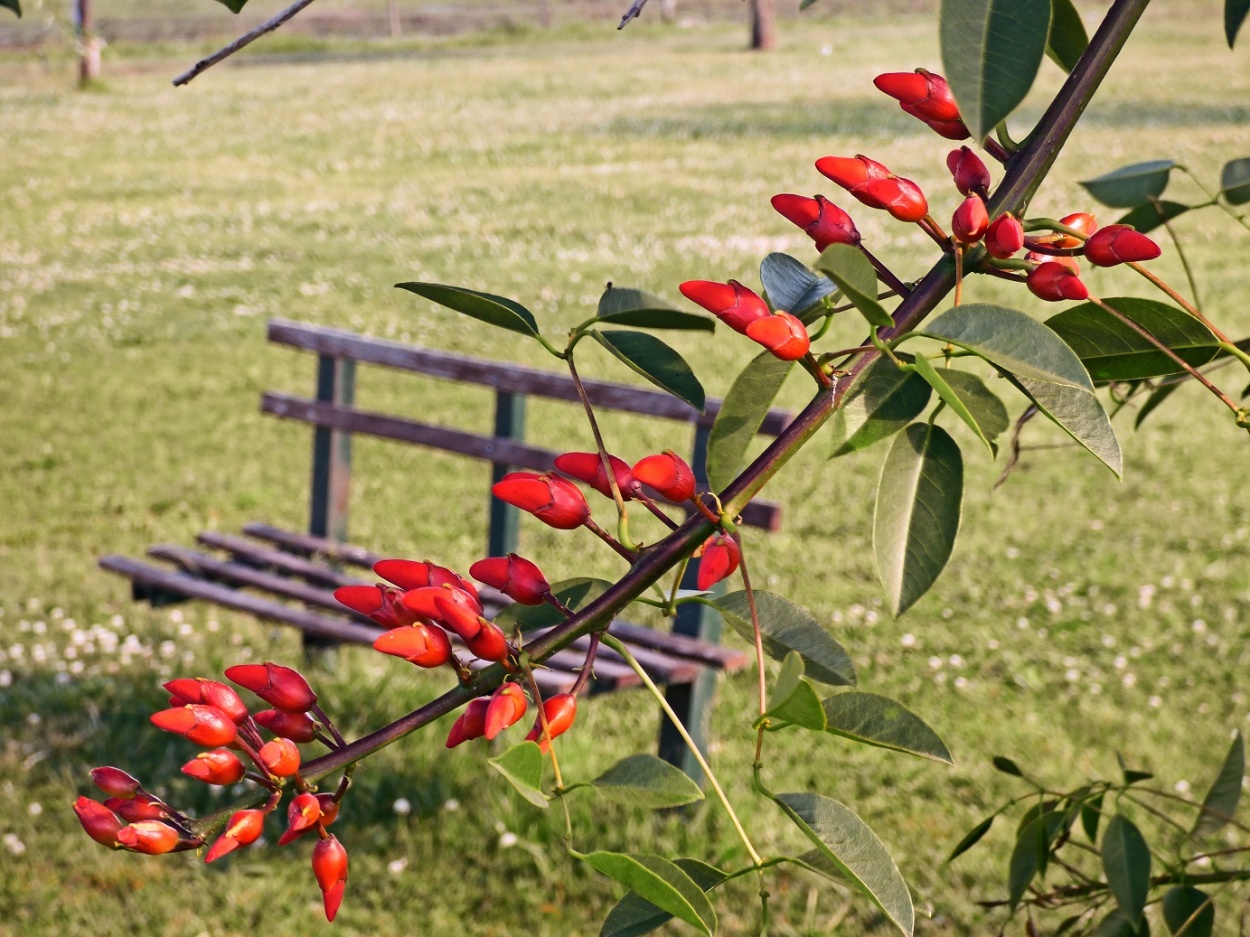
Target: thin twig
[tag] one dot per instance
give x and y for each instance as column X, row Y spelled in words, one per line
column 245, row 40
column 885, row 274
column 1180, row 253
column 632, row 13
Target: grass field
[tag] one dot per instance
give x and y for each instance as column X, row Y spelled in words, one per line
column 147, row 233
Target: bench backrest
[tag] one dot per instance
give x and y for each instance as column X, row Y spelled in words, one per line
column 335, row 417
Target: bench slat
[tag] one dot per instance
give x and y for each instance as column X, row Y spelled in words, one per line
column 310, row 544
column 513, row 378
column 256, row 554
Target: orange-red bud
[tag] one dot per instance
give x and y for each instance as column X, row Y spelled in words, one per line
column 301, row 815
column 101, row 824
column 210, row 693
column 298, row 727
column 507, row 706
column 244, row 828
column 719, row 557
column 1055, row 282
column 115, row 782
column 782, row 334
column 731, row 302
column 668, row 473
column 203, row 725
column 926, row 97
column 423, row 645
column 471, row 724
column 329, row 863
column 875, row 186
column 280, row 687
column 409, row 574
column 489, row 643
column 216, row 767
column 150, row 837
column 1082, row 221
column 516, row 577
column 142, row 806
column 588, row 467
column 555, row 501
column 464, row 621
column 280, row 757
column 970, row 220
column 1005, row 237
column 824, row 222
column 969, row 172
column 1119, row 244
column 424, row 601
column 378, row 603
column 560, row 711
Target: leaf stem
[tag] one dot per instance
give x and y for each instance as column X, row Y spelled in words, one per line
column 621, row 513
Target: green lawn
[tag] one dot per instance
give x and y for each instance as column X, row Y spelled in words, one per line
column 146, row 233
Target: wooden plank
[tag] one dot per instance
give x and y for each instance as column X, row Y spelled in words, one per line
column 759, row 513
column 513, row 378
column 311, row 545
column 253, row 553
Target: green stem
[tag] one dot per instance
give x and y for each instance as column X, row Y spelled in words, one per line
column 685, row 736
column 1180, row 251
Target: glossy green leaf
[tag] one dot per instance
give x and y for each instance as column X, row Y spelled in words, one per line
column 969, row 399
column 1222, row 798
column 1190, row 908
column 1006, row 766
column 1235, row 12
column 991, row 51
column 1130, row 186
column 884, row 400
column 886, row 723
column 790, row 286
column 1091, row 815
column 623, row 306
column 847, row 841
column 647, row 781
column 522, row 765
column 1153, row 214
column 1113, row 351
column 973, row 836
column 917, row 513
column 850, row 270
column 818, row 861
column 1235, row 181
column 634, row 915
column 573, row 593
column 1067, row 40
column 794, row 700
column 1115, row 924
column 486, row 307
column 744, row 409
column 660, row 882
column 1029, row 855
column 786, row 627
column 655, row 361
column 1078, row 413
column 16, row 6
column 1126, row 863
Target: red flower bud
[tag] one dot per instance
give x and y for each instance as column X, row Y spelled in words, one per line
column 150, row 837
column 423, row 602
column 378, row 603
column 489, row 643
column 423, row 645
column 244, row 828
column 731, row 302
column 1054, row 282
column 280, row 687
column 1004, row 237
column 142, row 806
column 1119, row 244
column 588, row 467
column 927, row 97
column 203, row 725
column 216, row 767
column 409, row 574
column 970, row 220
column 507, row 706
column 1082, row 221
column 668, row 473
column 782, row 334
column 298, row 727
column 852, row 172
column 720, row 556
column 824, row 222
column 465, row 621
column 875, row 186
column 555, row 501
column 969, row 172
column 515, row 576
column 280, row 757
column 115, row 782
column 302, row 815
column 101, row 824
column 560, row 711
column 1070, row 263
column 210, row 693
column 471, row 724
column 329, row 863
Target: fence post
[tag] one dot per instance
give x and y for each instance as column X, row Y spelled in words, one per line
column 504, row 518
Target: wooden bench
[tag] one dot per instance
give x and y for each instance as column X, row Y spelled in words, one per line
column 289, row 577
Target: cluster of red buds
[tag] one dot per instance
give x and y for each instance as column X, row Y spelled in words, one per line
column 212, row 715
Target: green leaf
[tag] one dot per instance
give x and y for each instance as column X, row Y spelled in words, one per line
column 1131, row 775
column 1153, row 214
column 620, row 306
column 660, row 882
column 1157, row 396
column 1130, row 186
column 969, row 398
column 1091, row 814
column 16, row 6
column 882, row 402
column 634, row 915
column 1188, row 907
column 1112, row 351
column 1006, row 766
column 790, row 286
column 1029, row 854
column 1067, row 40
column 1235, row 179
column 850, row 269
column 1126, row 863
column 1235, row 12
column 855, row 850
column 655, row 361
column 991, row 51
column 647, row 781
column 494, row 310
column 522, row 765
column 877, row 720
column 1116, row 924
column 786, row 627
column 574, row 593
column 1079, row 414
column 794, row 700
column 741, row 414
column 233, row 5
column 917, row 512
column 1221, row 801
column 974, row 836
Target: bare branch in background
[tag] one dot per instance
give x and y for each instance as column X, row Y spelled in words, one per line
column 246, row 39
column 632, row 13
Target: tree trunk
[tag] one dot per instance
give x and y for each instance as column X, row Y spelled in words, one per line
column 668, row 11
column 392, row 16
column 763, row 31
column 89, row 63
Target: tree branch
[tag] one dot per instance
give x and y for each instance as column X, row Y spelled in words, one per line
column 246, row 39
